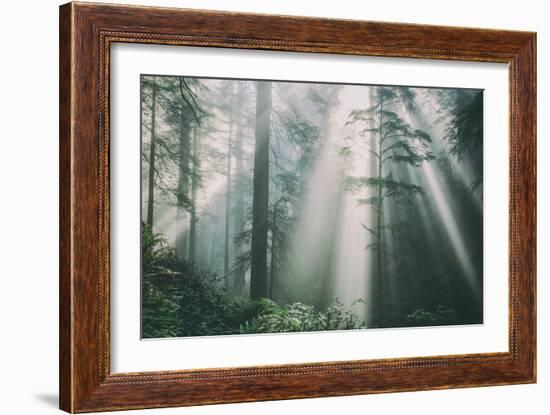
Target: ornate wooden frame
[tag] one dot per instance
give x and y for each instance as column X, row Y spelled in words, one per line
column 86, row 33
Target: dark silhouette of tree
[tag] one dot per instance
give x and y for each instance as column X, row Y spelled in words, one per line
column 239, row 220
column 152, row 155
column 258, row 278
column 195, row 181
column 228, row 178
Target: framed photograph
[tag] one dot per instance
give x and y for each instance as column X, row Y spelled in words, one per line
column 260, row 207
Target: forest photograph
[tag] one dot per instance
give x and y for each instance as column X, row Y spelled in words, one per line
column 283, row 206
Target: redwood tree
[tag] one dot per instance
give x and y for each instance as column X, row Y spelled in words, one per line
column 258, row 278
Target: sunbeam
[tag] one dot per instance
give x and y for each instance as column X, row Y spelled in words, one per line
column 441, row 199
column 451, row 226
column 353, row 261
column 313, row 241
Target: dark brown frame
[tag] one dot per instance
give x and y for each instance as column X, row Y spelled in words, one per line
column 86, row 33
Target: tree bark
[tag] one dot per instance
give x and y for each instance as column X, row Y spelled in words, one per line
column 183, row 186
column 273, row 266
column 258, row 278
column 379, row 276
column 274, row 247
column 372, row 221
column 239, row 268
column 328, row 254
column 194, row 187
column 151, row 184
column 226, row 252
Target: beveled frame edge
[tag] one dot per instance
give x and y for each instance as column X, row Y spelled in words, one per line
column 86, row 33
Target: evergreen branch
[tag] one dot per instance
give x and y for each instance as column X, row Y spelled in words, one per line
column 374, row 153
column 192, row 95
column 191, row 107
column 370, row 230
column 372, row 201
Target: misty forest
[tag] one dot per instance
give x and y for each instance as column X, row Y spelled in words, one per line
column 274, row 207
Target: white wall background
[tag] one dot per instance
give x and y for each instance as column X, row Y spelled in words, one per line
column 29, row 230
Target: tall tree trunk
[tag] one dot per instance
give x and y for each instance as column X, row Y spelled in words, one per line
column 272, row 266
column 258, row 278
column 274, row 246
column 379, row 277
column 183, row 186
column 151, row 184
column 371, row 219
column 226, row 253
column 328, row 254
column 238, row 214
column 194, row 187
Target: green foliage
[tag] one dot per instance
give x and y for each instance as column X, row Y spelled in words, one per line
column 177, row 298
column 440, row 315
column 180, row 300
column 462, row 114
column 391, row 187
column 301, row 317
column 155, row 252
column 397, row 143
column 464, row 120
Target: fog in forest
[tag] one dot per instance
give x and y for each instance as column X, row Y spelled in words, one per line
column 287, row 206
